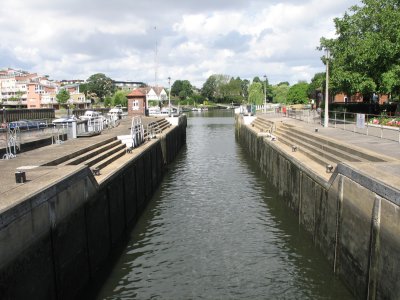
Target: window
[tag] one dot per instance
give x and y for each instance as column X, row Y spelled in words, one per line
column 135, row 105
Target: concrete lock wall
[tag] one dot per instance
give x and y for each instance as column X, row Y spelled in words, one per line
column 53, row 243
column 357, row 229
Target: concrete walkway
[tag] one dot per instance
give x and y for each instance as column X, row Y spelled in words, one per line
column 40, row 177
column 387, row 172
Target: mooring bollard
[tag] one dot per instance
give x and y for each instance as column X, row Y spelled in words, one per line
column 20, row 177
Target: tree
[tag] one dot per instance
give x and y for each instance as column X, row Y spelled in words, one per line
column 256, row 95
column 279, row 92
column 63, row 96
column 317, row 85
column 100, row 85
column 182, row 88
column 119, row 98
column 209, row 88
column 366, row 52
column 245, row 88
column 297, row 93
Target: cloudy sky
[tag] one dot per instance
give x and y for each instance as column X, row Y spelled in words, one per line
column 73, row 39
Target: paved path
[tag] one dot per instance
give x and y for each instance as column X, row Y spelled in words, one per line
column 41, row 177
column 388, row 172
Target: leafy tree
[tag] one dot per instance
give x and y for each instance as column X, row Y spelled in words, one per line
column 119, row 98
column 176, row 88
column 100, row 85
column 63, row 96
column 245, row 88
column 279, row 92
column 283, row 83
column 297, row 93
column 366, row 53
column 256, row 95
column 256, row 79
column 317, row 85
column 209, row 89
column 83, row 88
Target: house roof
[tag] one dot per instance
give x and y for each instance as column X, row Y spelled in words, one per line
column 137, row 93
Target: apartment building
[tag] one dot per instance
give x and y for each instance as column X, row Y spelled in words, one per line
column 29, row 90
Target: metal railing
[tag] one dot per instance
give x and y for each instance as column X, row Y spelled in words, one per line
column 367, row 124
column 137, row 131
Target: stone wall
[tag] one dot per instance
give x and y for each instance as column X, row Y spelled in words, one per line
column 354, row 219
column 54, row 242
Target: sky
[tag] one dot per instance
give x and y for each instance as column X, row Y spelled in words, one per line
column 149, row 41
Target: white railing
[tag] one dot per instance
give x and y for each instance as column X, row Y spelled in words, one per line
column 367, row 124
column 137, row 131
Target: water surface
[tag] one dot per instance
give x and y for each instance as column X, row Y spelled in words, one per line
column 215, row 229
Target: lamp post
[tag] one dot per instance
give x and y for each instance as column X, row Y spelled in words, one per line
column 169, row 96
column 265, row 94
column 326, row 117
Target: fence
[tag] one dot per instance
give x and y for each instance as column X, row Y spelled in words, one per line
column 366, row 124
column 26, row 114
column 373, row 125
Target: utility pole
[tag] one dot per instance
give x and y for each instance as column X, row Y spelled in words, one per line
column 265, row 94
column 169, row 96
column 326, row 117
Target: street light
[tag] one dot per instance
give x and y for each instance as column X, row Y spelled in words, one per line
column 265, row 94
column 326, row 118
column 169, row 96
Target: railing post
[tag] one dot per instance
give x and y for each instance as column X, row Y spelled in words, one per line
column 335, row 120
column 344, row 121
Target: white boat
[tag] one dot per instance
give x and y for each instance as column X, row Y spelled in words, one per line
column 65, row 120
column 116, row 112
column 90, row 115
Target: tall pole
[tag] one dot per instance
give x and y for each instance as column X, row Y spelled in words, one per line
column 169, row 96
column 155, row 59
column 326, row 117
column 265, row 94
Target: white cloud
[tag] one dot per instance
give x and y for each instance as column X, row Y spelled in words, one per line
column 74, row 39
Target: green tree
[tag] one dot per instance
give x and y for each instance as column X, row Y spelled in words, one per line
column 256, row 95
column 317, row 85
column 63, row 96
column 209, row 89
column 245, row 88
column 297, row 93
column 366, row 52
column 119, row 98
column 279, row 92
column 100, row 85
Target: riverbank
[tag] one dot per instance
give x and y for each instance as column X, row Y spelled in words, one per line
column 60, row 226
column 351, row 212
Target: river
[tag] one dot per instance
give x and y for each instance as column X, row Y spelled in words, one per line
column 215, row 229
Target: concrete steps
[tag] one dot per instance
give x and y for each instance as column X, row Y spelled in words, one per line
column 81, row 151
column 102, row 151
column 321, row 150
column 262, row 125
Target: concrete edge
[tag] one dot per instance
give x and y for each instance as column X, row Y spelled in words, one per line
column 29, row 201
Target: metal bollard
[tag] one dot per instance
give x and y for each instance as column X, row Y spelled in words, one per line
column 20, row 177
